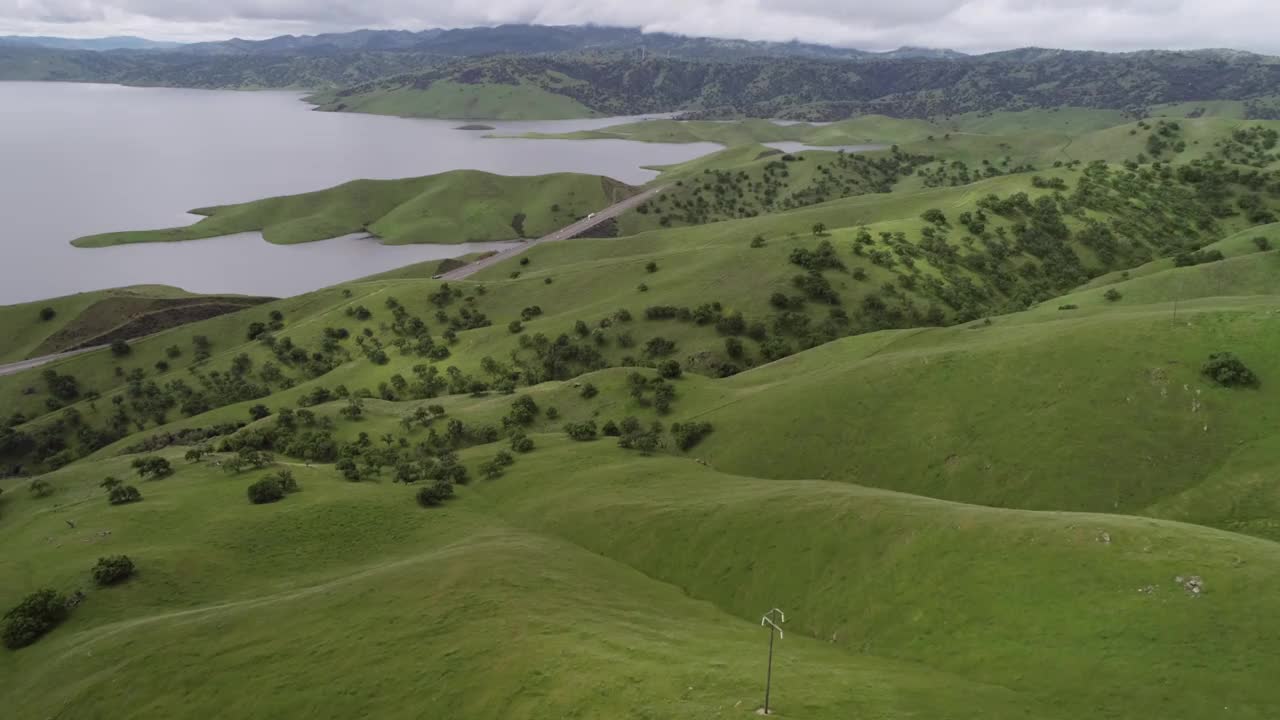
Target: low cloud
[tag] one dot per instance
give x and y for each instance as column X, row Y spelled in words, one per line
column 972, row 25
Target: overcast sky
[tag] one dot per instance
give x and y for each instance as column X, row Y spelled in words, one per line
column 972, row 25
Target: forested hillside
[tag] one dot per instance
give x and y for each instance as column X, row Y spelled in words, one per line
column 828, row 90
column 621, row 72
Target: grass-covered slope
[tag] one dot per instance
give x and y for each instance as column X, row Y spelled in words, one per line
column 460, row 101
column 92, row 318
column 962, row 435
column 1028, row 601
column 1106, row 412
column 585, row 559
column 454, row 207
column 868, row 129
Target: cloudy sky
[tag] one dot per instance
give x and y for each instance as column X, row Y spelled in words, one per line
column 972, row 25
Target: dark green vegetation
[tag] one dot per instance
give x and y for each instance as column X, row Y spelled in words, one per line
column 113, row 570
column 454, row 207
column 983, row 413
column 517, row 72
column 37, row 614
column 828, row 90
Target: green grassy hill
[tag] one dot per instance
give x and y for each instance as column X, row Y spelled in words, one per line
column 962, row 434
column 454, row 207
column 91, row 318
column 869, row 129
column 460, row 101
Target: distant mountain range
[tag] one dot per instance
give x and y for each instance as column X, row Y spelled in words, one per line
column 123, row 42
column 621, row 71
column 468, row 42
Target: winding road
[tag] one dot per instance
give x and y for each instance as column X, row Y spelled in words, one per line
column 565, row 233
column 18, row 367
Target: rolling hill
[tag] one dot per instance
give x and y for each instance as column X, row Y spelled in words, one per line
column 1001, row 440
column 454, row 207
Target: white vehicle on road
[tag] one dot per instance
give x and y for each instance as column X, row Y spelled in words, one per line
column 591, row 216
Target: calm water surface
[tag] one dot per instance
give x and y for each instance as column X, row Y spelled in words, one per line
column 80, row 159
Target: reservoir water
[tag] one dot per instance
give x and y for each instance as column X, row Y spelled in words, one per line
column 78, row 159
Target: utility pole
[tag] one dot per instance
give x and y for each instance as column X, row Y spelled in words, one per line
column 768, row 621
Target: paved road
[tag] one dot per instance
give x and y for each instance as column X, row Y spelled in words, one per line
column 37, row 362
column 577, row 228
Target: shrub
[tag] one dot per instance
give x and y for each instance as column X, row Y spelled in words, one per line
column 642, row 287
column 108, row 483
column 1068, row 307
column 266, row 490
column 583, row 431
column 589, row 391
column 491, row 470
column 40, row 488
column 651, row 267
column 1112, row 295
column 689, row 434
column 1229, row 371
column 611, row 429
column 123, row 495
column 257, row 412
column 661, row 312
column 435, row 493
column 286, row 480
column 734, row 348
column 514, row 327
column 1262, row 243
column 37, row 614
column 670, row 369
column 1200, row 257
column 553, row 413
column 47, row 314
column 521, row 443
column 112, row 570
column 152, row 466
column 634, row 437
column 524, row 410
column 659, row 347
column 120, row 348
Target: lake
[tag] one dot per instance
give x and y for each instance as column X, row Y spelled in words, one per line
column 78, row 159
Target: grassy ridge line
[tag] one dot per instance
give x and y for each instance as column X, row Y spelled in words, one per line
column 882, row 409
column 460, row 101
column 1038, row 137
column 342, row 574
column 1240, row 243
column 454, row 207
column 1025, row 600
column 592, row 279
column 866, row 129
column 1104, row 413
column 26, row 335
